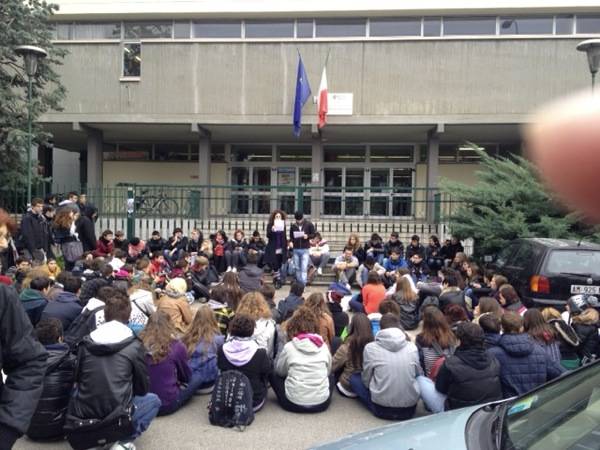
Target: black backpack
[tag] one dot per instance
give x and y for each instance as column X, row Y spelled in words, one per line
column 83, row 325
column 231, row 401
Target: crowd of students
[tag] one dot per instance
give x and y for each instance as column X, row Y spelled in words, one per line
column 118, row 323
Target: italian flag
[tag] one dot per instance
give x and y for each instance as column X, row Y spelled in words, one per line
column 322, row 99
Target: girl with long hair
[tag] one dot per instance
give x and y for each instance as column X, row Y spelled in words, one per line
column 202, row 342
column 219, row 245
column 348, row 359
column 510, row 301
column 254, row 305
column 535, row 325
column 167, row 360
column 568, row 340
column 435, row 340
column 316, row 303
column 276, row 250
column 357, row 249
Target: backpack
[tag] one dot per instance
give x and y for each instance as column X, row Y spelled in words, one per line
column 430, row 300
column 437, row 365
column 81, row 326
column 231, row 401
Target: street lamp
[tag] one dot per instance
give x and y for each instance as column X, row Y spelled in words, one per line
column 31, row 55
column 592, row 48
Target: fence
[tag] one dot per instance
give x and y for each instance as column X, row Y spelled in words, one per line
column 224, row 201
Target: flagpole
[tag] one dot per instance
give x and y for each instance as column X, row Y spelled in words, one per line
column 327, row 57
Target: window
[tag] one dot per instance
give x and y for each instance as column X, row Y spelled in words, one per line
column 148, row 30
column 447, row 154
column 304, row 29
column 432, row 26
column 294, row 153
column 348, row 153
column 588, row 24
column 134, row 152
column 269, row 29
column 584, row 262
column 63, row 31
column 469, row 26
column 409, row 26
column 97, row 31
column 217, row 153
column 245, row 153
column 223, row 29
column 392, row 153
column 466, row 153
column 181, row 30
column 132, row 59
column 525, row 25
column 564, row 24
column 172, row 152
column 340, row 28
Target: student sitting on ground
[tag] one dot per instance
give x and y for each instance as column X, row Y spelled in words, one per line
column 316, row 303
column 345, row 267
column 387, row 384
column 268, row 292
column 174, row 302
column 201, row 277
column 292, row 302
column 348, row 359
column 112, row 375
column 408, row 301
column 491, row 326
column 334, row 298
column 105, row 245
column 34, row 299
column 66, row 307
column 523, row 363
column 222, row 305
column 435, row 340
column 319, row 253
column 363, row 270
column 542, row 333
column 510, row 301
column 254, row 305
column 235, row 251
column 418, row 268
column 251, row 276
column 301, row 380
column 242, row 353
column 568, row 340
column 393, row 242
column 202, row 341
column 392, row 264
column 372, row 295
column 171, row 377
column 374, row 248
column 49, row 417
column 256, row 245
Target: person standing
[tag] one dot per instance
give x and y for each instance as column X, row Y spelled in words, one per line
column 277, row 246
column 35, row 234
column 300, row 234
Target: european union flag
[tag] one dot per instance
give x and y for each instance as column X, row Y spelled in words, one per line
column 302, row 94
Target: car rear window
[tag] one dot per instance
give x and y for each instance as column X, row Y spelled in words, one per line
column 584, row 262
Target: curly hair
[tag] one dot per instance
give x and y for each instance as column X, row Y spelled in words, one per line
column 302, row 321
column 316, row 303
column 204, row 328
column 254, row 305
column 272, row 217
column 158, row 335
column 8, row 221
column 64, row 218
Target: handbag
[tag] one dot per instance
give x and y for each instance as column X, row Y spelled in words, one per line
column 72, row 251
column 88, row 433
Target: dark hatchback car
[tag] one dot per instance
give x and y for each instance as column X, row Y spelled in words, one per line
column 548, row 271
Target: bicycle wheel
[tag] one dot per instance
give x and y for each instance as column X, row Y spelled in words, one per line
column 143, row 208
column 168, row 207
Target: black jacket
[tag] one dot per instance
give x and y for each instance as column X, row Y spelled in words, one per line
column 469, row 377
column 172, row 244
column 389, row 246
column 23, row 360
column 277, row 241
column 65, row 308
column 452, row 298
column 340, row 318
column 258, row 246
column 412, row 250
column 233, row 245
column 155, row 245
column 308, row 228
column 49, row 416
column 108, row 374
column 87, row 233
column 588, row 335
column 35, row 232
column 250, row 278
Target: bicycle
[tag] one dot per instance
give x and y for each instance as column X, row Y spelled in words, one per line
column 159, row 203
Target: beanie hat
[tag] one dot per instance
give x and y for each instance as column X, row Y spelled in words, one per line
column 176, row 287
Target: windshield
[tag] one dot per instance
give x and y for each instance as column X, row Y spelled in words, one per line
column 564, row 414
column 574, row 262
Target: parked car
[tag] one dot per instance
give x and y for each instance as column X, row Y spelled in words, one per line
column 549, row 271
column 564, row 413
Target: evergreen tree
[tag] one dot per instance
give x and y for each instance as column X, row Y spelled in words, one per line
column 25, row 22
column 508, row 202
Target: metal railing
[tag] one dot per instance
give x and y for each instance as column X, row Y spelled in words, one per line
column 257, row 201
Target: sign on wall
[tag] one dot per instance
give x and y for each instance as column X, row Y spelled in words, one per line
column 339, row 104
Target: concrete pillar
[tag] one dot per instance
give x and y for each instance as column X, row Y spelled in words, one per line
column 317, row 178
column 94, row 158
column 204, row 175
column 433, row 153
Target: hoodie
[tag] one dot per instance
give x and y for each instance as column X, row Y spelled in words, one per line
column 244, row 355
column 65, row 308
column 523, row 364
column 305, row 363
column 34, row 303
column 111, row 371
column 169, row 373
column 390, row 368
column 264, row 334
column 250, row 278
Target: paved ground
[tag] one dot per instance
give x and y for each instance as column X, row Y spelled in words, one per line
column 272, row 428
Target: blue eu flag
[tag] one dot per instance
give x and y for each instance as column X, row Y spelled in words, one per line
column 302, row 94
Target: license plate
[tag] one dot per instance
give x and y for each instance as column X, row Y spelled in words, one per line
column 582, row 289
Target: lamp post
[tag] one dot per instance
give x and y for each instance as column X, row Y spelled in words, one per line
column 31, row 55
column 592, row 48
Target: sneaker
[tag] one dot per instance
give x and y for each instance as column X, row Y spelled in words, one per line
column 205, row 390
column 345, row 392
column 123, row 446
column 277, row 283
column 234, row 270
column 228, row 269
column 319, row 271
column 348, row 286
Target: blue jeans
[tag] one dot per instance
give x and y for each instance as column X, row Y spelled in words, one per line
column 384, row 412
column 378, row 257
column 186, row 392
column 434, row 400
column 145, row 410
column 356, row 305
column 301, row 258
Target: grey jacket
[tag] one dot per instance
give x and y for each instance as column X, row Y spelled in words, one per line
column 390, row 368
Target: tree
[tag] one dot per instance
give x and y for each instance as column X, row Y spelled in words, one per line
column 25, row 22
column 506, row 203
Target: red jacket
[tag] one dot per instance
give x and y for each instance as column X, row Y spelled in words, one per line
column 103, row 248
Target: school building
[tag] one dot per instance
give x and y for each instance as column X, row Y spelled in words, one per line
column 201, row 93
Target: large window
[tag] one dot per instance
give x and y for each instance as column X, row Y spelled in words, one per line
column 181, row 30
column 344, row 153
column 254, row 197
column 294, row 153
column 410, row 26
column 148, row 30
column 432, row 26
column 304, row 28
column 132, row 59
column 85, row 31
column 392, row 153
column 340, row 27
column 469, row 26
column 250, row 153
column 588, row 24
column 564, row 24
column 464, row 153
column 221, row 29
column 526, row 25
column 269, row 29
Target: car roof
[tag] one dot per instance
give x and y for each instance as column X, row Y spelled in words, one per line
column 563, row 243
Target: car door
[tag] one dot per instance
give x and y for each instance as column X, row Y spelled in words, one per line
column 521, row 266
column 504, row 256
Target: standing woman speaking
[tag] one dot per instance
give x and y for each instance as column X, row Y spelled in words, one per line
column 275, row 253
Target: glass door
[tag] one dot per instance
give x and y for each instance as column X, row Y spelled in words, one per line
column 249, row 197
column 402, row 194
column 286, row 182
